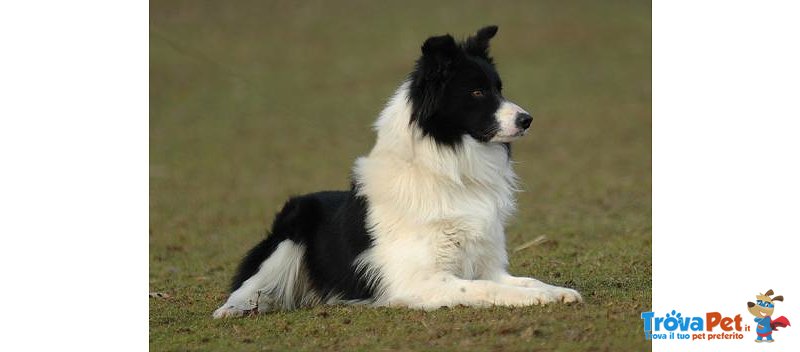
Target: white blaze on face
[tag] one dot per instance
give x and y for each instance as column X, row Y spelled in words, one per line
column 506, row 116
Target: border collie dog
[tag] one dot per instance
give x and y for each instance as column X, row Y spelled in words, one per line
column 422, row 225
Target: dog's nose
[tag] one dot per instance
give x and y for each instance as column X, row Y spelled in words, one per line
column 524, row 120
column 750, row 304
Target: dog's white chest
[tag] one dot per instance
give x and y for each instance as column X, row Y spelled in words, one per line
column 466, row 246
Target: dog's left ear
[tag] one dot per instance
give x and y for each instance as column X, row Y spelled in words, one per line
column 478, row 44
column 777, row 298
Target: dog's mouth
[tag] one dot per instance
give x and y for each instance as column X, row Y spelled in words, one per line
column 505, row 138
column 521, row 133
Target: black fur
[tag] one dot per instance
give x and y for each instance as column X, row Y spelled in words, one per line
column 442, row 86
column 331, row 226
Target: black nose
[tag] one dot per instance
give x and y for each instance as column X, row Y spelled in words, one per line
column 750, row 304
column 524, row 121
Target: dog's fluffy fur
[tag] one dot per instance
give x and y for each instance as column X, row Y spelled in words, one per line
column 422, row 225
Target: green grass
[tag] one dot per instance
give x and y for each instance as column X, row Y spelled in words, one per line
column 251, row 102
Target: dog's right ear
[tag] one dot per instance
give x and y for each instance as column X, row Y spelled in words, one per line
column 478, row 44
column 778, row 298
column 769, row 293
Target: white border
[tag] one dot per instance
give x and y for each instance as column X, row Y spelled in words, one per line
column 726, row 149
column 73, row 186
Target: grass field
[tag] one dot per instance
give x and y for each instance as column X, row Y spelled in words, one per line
column 251, row 102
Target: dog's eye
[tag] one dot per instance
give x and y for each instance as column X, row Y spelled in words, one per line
column 477, row 93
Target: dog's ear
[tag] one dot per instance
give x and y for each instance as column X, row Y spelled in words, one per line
column 478, row 44
column 439, row 54
column 778, row 298
column 441, row 49
column 769, row 293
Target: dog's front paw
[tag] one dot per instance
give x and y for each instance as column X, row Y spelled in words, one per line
column 524, row 297
column 566, row 295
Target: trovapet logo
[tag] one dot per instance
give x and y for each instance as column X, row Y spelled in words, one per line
column 715, row 325
column 674, row 326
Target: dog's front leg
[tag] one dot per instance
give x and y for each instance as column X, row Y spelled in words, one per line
column 448, row 291
column 563, row 294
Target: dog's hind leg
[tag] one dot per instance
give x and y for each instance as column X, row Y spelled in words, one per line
column 272, row 275
column 275, row 285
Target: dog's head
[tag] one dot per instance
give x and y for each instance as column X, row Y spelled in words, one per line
column 764, row 305
column 456, row 90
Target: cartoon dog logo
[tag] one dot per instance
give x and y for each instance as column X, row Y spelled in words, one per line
column 762, row 310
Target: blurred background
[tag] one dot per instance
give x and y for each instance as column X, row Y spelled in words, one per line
column 254, row 101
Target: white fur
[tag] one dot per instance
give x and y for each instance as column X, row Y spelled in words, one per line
column 279, row 284
column 437, row 215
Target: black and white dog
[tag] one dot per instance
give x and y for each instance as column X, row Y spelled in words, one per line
column 422, row 225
